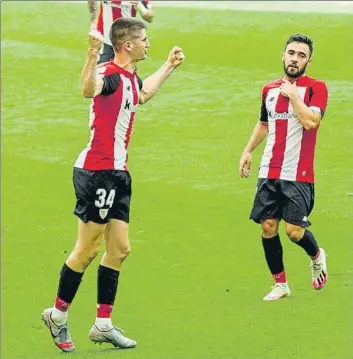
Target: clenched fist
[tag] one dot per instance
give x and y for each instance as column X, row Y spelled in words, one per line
column 95, row 39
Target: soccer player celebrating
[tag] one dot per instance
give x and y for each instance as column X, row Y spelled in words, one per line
column 101, row 179
column 109, row 11
column 291, row 111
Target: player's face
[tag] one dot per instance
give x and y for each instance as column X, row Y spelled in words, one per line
column 140, row 46
column 296, row 58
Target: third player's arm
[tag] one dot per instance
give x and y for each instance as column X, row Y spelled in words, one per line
column 92, row 8
column 145, row 11
column 309, row 118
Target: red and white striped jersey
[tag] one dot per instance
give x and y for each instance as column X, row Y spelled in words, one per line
column 112, row 115
column 289, row 151
column 109, row 11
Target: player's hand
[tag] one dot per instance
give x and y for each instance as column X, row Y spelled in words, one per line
column 288, row 89
column 245, row 165
column 95, row 39
column 176, row 56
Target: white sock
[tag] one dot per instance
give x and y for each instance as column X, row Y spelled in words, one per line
column 104, row 323
column 58, row 317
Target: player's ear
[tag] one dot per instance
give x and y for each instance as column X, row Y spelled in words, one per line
column 128, row 45
column 282, row 56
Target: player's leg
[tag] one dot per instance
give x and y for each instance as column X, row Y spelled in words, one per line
column 297, row 208
column 117, row 249
column 267, row 211
column 86, row 248
column 90, row 232
column 106, row 53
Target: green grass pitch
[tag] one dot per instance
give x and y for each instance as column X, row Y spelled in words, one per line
column 193, row 285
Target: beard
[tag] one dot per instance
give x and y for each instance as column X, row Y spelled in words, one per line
column 292, row 72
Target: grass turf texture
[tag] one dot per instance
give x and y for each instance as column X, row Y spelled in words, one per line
column 193, row 285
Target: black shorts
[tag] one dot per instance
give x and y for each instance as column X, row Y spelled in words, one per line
column 288, row 200
column 102, row 195
column 106, row 54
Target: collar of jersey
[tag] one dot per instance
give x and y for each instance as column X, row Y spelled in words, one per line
column 122, row 70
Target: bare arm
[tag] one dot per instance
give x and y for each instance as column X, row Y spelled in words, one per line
column 92, row 84
column 259, row 134
column 145, row 12
column 153, row 83
column 92, row 8
column 307, row 117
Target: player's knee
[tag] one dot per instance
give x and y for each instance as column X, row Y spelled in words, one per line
column 269, row 228
column 295, row 233
column 119, row 254
column 87, row 254
column 125, row 251
column 94, row 252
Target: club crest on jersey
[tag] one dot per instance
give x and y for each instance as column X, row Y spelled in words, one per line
column 103, row 212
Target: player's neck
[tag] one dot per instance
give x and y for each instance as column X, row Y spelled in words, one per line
column 293, row 79
column 125, row 63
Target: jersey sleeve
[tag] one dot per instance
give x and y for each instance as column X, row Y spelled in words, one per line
column 111, row 79
column 110, row 84
column 263, row 111
column 319, row 96
column 140, row 82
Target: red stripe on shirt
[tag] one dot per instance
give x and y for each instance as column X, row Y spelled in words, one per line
column 101, row 154
column 116, row 10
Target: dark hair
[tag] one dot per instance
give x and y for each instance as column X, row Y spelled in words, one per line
column 124, row 29
column 303, row 39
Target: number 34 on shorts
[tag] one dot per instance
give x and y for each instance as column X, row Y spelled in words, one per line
column 104, row 200
column 102, row 195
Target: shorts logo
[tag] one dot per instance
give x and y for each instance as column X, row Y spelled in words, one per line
column 305, row 219
column 103, row 212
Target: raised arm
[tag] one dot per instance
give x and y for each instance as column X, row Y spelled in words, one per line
column 308, row 116
column 92, row 83
column 153, row 83
column 145, row 10
column 93, row 11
